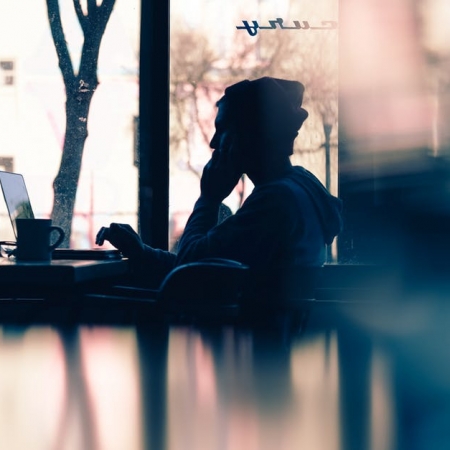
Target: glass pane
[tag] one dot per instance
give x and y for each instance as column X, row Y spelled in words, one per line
column 32, row 113
column 215, row 44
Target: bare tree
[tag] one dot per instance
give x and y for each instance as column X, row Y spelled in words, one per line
column 192, row 63
column 80, row 87
column 197, row 80
column 199, row 74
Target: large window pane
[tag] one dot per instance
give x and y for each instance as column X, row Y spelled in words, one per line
column 32, row 113
column 208, row 53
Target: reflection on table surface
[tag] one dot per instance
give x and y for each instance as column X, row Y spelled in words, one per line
column 356, row 386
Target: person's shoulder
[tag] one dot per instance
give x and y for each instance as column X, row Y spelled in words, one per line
column 281, row 193
column 288, row 184
column 302, row 172
column 275, row 188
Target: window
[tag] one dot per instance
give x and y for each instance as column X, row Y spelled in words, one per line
column 7, row 72
column 213, row 46
column 6, row 164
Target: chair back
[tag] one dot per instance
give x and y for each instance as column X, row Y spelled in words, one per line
column 204, row 286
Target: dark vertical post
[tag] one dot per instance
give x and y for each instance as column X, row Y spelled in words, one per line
column 154, row 123
column 327, row 130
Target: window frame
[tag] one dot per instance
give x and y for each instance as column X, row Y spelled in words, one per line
column 153, row 138
column 153, row 209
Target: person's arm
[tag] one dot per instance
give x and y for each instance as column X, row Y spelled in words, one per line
column 130, row 244
column 255, row 235
column 220, row 176
column 156, row 257
column 202, row 219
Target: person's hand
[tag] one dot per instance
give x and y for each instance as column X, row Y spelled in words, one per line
column 222, row 173
column 123, row 237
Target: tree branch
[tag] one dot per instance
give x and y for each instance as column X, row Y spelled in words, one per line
column 98, row 16
column 65, row 63
column 92, row 7
column 84, row 21
column 104, row 11
column 197, row 116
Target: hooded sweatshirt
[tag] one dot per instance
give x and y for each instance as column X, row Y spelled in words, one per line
column 286, row 222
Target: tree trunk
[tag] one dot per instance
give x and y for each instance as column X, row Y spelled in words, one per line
column 66, row 181
column 79, row 91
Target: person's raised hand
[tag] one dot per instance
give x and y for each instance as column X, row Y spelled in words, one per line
column 123, row 237
column 222, row 172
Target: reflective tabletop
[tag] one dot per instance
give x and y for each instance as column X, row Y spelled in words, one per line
column 358, row 377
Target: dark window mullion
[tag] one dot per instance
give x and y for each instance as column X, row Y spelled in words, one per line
column 154, row 123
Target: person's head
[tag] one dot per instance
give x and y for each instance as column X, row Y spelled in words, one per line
column 262, row 118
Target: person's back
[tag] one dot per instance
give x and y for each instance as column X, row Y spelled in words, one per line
column 313, row 217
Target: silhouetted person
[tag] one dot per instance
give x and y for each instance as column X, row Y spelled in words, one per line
column 288, row 218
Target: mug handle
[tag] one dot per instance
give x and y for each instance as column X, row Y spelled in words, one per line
column 60, row 238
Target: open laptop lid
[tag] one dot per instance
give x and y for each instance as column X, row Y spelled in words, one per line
column 19, row 206
column 16, row 197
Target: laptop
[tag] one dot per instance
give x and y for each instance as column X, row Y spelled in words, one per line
column 19, row 206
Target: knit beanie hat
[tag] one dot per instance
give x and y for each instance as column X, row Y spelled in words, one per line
column 267, row 108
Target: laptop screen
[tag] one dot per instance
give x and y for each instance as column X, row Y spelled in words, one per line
column 16, row 197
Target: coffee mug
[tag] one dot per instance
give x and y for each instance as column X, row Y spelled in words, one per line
column 33, row 239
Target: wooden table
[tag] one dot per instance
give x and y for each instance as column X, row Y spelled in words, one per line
column 52, row 292
column 58, row 273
